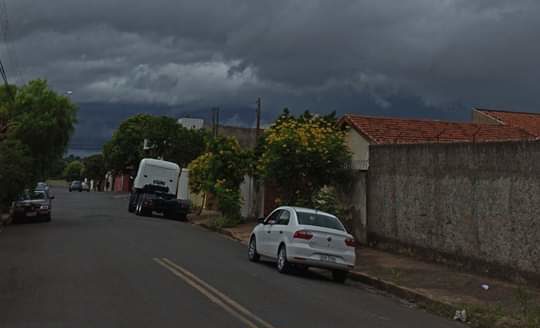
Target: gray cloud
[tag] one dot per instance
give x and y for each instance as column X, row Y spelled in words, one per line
column 315, row 53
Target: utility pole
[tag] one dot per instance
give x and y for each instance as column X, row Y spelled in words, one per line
column 6, row 83
column 258, row 129
column 215, row 121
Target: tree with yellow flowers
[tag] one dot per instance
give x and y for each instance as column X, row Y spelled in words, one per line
column 220, row 171
column 301, row 155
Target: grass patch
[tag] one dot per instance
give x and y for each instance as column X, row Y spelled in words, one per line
column 523, row 313
column 222, row 223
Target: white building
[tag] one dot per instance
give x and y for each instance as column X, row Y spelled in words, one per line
column 191, row 123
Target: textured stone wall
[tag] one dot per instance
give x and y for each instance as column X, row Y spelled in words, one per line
column 473, row 201
column 353, row 200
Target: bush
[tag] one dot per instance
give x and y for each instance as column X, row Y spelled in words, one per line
column 308, row 152
column 326, row 200
column 15, row 163
column 220, row 171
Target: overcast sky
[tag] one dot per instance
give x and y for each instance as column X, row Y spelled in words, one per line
column 324, row 55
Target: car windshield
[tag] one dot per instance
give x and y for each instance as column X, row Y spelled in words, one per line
column 75, row 183
column 37, row 195
column 32, row 195
column 319, row 220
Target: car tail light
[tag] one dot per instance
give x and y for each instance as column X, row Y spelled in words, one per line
column 303, row 234
column 350, row 242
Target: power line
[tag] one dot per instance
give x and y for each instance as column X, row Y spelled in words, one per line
column 6, row 83
column 258, row 123
column 10, row 52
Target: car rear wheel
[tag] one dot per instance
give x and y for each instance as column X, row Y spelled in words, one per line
column 283, row 265
column 339, row 276
column 253, row 256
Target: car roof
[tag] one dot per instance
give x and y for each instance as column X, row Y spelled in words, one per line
column 306, row 210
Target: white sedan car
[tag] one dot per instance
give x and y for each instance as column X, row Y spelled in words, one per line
column 304, row 237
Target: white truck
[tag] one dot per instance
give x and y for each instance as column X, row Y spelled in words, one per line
column 155, row 190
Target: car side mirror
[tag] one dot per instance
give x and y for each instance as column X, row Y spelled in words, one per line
column 260, row 220
column 51, row 197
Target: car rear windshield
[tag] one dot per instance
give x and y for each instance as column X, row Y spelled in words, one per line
column 37, row 195
column 319, row 220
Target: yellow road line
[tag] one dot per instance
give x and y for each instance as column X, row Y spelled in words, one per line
column 217, row 297
column 224, row 297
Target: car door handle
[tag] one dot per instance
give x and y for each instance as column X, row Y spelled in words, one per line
column 268, row 231
column 281, row 232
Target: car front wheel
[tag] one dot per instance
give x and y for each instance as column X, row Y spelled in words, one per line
column 283, row 265
column 253, row 256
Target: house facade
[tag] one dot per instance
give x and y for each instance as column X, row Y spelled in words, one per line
column 364, row 131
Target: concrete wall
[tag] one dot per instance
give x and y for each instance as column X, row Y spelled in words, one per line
column 477, row 202
column 246, row 136
column 353, row 200
column 359, row 148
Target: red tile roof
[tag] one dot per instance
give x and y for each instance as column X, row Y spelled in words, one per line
column 529, row 122
column 379, row 130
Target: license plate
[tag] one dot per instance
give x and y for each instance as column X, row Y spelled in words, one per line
column 328, row 258
column 30, row 214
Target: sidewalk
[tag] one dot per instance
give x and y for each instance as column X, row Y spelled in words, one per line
column 487, row 302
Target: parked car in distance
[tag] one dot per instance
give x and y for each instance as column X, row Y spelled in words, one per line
column 42, row 186
column 75, row 185
column 32, row 204
column 295, row 236
column 85, row 186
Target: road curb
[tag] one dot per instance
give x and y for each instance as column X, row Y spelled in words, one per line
column 414, row 296
column 219, row 230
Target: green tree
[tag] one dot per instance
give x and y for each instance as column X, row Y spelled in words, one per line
column 177, row 144
column 94, row 167
column 42, row 120
column 220, row 171
column 73, row 171
column 125, row 149
column 35, row 126
column 15, row 162
column 301, row 155
column 166, row 139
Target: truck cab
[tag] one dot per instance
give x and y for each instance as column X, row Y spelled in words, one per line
column 155, row 190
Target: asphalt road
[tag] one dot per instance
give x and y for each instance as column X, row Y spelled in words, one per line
column 96, row 265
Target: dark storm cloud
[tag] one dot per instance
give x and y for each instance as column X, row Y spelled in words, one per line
column 317, row 54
